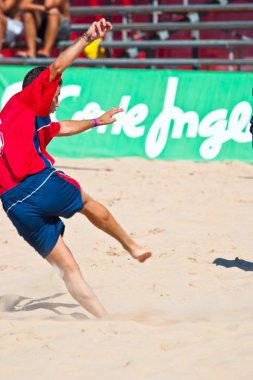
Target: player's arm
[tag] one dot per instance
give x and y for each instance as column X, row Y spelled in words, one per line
column 98, row 29
column 73, row 127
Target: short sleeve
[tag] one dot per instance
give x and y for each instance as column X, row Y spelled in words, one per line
column 38, row 95
column 47, row 133
column 55, row 128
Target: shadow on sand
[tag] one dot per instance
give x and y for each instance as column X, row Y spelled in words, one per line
column 13, row 303
column 236, row 263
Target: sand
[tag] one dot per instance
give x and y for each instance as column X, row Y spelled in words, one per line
column 184, row 314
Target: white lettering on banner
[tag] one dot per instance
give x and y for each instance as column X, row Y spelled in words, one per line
column 238, row 122
column 128, row 120
column 158, row 133
column 213, row 126
column 10, row 90
column 216, row 128
column 135, row 116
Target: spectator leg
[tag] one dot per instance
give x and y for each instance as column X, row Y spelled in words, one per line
column 31, row 21
column 53, row 23
column 3, row 25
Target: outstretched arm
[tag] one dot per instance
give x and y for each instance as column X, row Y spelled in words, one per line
column 73, row 127
column 98, row 29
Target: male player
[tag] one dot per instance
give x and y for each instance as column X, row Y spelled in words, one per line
column 34, row 194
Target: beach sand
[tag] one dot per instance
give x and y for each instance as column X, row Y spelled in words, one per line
column 187, row 313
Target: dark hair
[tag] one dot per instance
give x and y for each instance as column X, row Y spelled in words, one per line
column 33, row 74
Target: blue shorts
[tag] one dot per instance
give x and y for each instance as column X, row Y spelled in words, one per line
column 35, row 205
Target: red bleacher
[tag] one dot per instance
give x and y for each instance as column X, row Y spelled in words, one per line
column 187, row 52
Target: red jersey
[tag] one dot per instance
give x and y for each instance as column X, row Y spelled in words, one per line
column 26, row 130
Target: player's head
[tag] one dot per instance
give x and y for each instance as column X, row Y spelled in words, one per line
column 33, row 74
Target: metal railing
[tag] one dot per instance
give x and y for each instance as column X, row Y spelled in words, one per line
column 146, row 44
column 145, row 9
column 145, row 62
column 174, row 26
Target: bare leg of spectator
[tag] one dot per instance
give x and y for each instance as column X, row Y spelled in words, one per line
column 30, row 20
column 53, row 23
column 3, row 24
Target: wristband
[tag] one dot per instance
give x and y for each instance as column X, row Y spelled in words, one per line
column 87, row 37
column 95, row 122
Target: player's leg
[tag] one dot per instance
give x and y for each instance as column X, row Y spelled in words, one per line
column 101, row 217
column 62, row 259
column 35, row 222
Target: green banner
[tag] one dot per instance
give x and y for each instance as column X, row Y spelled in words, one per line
column 186, row 115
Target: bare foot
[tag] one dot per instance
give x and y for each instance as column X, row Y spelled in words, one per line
column 24, row 54
column 43, row 54
column 141, row 254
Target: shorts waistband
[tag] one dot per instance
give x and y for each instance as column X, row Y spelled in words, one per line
column 37, row 180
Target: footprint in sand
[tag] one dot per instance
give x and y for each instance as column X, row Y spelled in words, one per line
column 156, row 230
column 114, row 252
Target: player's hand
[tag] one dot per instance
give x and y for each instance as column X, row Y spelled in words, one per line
column 98, row 29
column 108, row 117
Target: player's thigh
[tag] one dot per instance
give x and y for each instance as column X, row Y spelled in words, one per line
column 86, row 198
column 60, row 196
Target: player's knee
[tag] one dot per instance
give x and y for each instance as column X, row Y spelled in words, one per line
column 65, row 267
column 69, row 269
column 96, row 209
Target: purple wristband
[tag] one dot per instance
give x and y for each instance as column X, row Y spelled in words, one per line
column 95, row 122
